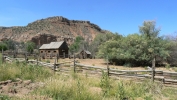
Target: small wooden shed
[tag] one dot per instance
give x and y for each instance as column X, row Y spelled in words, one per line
column 54, row 49
column 84, row 54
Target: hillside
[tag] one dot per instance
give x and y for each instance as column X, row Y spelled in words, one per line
column 53, row 29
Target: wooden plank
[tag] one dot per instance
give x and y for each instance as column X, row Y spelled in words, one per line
column 88, row 66
column 115, row 73
column 170, row 73
column 116, row 70
column 170, row 80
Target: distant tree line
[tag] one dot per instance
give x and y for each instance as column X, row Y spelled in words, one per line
column 14, row 46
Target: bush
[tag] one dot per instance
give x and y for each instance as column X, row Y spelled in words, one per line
column 3, row 46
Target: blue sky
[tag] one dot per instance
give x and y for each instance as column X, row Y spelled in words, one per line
column 122, row 16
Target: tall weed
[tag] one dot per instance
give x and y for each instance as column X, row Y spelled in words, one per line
column 105, row 84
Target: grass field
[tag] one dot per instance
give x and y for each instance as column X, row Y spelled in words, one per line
column 75, row 86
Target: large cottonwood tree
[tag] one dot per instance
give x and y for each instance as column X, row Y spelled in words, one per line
column 136, row 49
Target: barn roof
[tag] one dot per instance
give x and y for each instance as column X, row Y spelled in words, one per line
column 88, row 52
column 52, row 45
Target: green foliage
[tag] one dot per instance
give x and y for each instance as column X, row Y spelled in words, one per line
column 105, row 84
column 167, row 66
column 10, row 44
column 173, row 48
column 3, row 46
column 136, row 49
column 30, row 46
column 79, row 39
column 157, row 46
column 121, row 91
column 76, row 45
column 4, row 97
column 149, row 30
column 100, row 39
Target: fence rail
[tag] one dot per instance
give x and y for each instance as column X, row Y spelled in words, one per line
column 163, row 76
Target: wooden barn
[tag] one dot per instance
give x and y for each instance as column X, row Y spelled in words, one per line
column 84, row 54
column 54, row 49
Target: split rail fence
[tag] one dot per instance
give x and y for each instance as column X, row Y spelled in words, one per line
column 163, row 76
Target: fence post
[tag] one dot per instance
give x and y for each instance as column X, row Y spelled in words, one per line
column 153, row 69
column 63, row 55
column 37, row 59
column 2, row 56
column 107, row 66
column 14, row 55
column 57, row 57
column 26, row 58
column 54, row 69
column 74, row 64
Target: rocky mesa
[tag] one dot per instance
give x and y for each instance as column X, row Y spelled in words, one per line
column 51, row 29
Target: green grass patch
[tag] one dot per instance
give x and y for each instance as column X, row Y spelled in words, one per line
column 11, row 71
column 4, row 97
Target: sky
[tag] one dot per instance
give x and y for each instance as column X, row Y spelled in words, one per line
column 121, row 16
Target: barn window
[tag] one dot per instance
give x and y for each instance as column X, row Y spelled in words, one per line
column 41, row 51
column 48, row 51
column 54, row 51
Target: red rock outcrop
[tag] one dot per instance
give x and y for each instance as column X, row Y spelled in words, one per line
column 57, row 29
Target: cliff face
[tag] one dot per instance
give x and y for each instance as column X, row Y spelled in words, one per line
column 58, row 28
